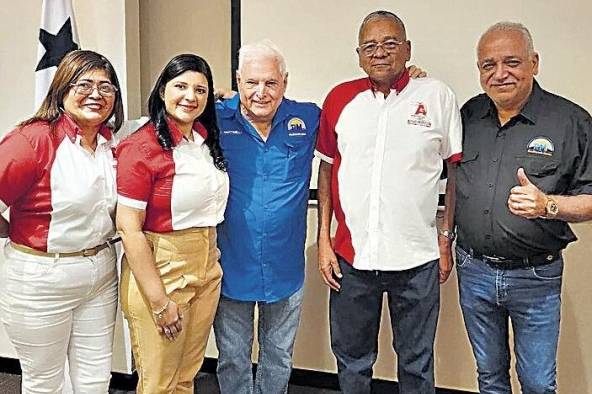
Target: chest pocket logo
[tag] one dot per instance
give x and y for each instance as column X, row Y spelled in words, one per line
column 541, row 146
column 296, row 126
column 418, row 115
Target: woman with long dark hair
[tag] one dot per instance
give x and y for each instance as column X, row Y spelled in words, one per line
column 58, row 280
column 172, row 188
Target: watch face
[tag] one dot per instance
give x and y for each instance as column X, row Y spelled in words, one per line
column 552, row 208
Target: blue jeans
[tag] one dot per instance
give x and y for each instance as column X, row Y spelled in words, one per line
column 233, row 327
column 355, row 311
column 528, row 297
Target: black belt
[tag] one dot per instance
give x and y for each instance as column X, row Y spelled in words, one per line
column 516, row 263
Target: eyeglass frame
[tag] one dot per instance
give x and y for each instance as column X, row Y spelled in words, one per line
column 94, row 86
column 362, row 48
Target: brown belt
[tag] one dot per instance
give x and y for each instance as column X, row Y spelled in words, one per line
column 83, row 253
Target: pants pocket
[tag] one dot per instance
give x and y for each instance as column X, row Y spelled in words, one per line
column 549, row 271
column 462, row 257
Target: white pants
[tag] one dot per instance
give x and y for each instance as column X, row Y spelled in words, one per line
column 58, row 308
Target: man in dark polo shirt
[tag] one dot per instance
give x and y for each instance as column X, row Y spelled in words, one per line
column 526, row 173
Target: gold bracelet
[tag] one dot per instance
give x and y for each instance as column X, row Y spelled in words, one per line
column 159, row 314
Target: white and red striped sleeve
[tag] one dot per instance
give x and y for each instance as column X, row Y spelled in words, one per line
column 327, row 138
column 134, row 176
column 18, row 168
column 451, row 148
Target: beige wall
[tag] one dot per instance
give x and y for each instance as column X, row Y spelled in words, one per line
column 319, row 38
column 18, row 52
column 169, row 28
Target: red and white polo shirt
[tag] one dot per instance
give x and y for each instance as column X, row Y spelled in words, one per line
column 180, row 188
column 62, row 198
column 387, row 156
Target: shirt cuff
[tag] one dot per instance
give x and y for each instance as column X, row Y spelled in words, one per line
column 130, row 202
column 323, row 157
column 3, row 206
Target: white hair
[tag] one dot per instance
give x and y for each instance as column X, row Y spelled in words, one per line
column 511, row 26
column 261, row 49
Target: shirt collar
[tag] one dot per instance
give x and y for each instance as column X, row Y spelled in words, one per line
column 71, row 128
column 397, row 86
column 177, row 135
column 529, row 111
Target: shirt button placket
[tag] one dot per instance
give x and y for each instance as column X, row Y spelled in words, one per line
column 375, row 182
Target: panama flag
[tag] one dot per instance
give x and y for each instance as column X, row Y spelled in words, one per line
column 57, row 36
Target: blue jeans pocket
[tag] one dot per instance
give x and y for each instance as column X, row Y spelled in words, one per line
column 549, row 271
column 462, row 257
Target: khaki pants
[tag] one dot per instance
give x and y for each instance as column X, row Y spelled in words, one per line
column 188, row 264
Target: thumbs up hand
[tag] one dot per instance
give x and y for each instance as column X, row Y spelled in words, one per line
column 522, row 178
column 527, row 200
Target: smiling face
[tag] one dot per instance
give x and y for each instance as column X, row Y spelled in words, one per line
column 261, row 86
column 384, row 67
column 89, row 110
column 506, row 68
column 185, row 98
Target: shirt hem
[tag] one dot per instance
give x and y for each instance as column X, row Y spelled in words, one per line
column 397, row 268
column 264, row 299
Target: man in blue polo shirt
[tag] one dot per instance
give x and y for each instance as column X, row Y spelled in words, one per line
column 268, row 142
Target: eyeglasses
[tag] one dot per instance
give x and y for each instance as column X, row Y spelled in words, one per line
column 105, row 89
column 388, row 46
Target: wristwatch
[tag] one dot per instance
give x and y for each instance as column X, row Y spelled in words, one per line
column 451, row 235
column 551, row 209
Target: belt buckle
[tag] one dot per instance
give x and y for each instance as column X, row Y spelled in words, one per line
column 89, row 252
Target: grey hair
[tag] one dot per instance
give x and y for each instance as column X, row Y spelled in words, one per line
column 511, row 26
column 266, row 49
column 382, row 14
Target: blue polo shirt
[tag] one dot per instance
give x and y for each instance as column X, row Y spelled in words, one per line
column 264, row 229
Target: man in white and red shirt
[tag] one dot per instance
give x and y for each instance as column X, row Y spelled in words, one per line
column 382, row 141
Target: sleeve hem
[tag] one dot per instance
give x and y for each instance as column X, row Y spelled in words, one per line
column 323, row 157
column 130, row 202
column 455, row 158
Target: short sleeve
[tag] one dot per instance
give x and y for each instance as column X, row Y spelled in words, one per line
column 582, row 179
column 18, row 168
column 451, row 147
column 327, row 138
column 134, row 177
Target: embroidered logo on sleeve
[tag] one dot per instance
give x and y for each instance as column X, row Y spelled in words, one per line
column 296, row 126
column 418, row 115
column 541, row 146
